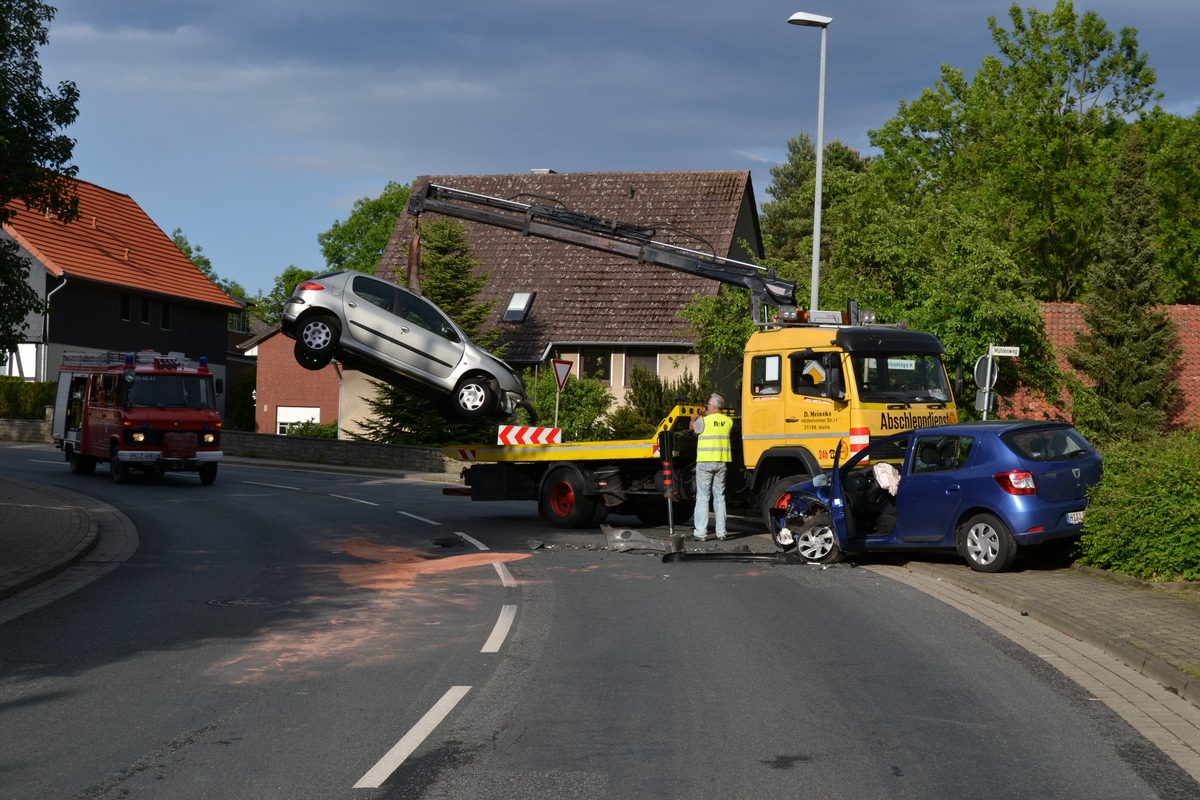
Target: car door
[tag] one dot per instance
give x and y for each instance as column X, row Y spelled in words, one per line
column 426, row 338
column 370, row 315
column 930, row 493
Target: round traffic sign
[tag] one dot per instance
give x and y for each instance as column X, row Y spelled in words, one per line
column 985, row 372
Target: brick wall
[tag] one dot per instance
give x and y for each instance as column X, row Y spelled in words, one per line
column 281, row 381
column 337, row 452
column 333, row 452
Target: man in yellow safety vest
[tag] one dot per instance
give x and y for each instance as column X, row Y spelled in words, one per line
column 712, row 462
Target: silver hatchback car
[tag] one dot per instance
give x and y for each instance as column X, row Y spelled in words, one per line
column 391, row 334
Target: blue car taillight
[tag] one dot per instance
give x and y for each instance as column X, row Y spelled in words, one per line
column 1016, row 481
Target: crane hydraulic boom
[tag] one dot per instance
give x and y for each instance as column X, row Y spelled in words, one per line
column 609, row 236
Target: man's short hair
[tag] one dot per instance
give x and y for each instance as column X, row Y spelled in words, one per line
column 716, row 401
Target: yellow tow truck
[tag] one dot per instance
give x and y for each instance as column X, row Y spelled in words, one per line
column 811, row 380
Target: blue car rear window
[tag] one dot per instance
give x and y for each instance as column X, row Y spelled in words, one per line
column 1047, row 444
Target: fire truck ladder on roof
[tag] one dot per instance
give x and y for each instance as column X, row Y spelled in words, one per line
column 597, row 233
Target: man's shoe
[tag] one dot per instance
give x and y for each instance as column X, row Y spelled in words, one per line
column 722, row 537
column 700, row 538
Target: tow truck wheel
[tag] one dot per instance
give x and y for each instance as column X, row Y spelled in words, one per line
column 816, row 543
column 208, row 473
column 777, row 497
column 117, row 468
column 316, row 339
column 563, row 502
column 82, row 465
column 474, row 397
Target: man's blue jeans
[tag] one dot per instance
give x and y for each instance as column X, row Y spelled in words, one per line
column 710, row 481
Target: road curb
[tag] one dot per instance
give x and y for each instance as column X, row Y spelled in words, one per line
column 54, row 563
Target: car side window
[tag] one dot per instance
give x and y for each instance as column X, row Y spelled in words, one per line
column 940, row 453
column 423, row 314
column 375, row 293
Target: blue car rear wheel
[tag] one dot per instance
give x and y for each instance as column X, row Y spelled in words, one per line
column 987, row 544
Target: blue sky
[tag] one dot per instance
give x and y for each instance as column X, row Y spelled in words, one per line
column 254, row 125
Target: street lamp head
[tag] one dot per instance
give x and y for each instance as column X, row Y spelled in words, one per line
column 809, row 20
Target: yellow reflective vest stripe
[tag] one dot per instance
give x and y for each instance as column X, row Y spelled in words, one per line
column 713, row 442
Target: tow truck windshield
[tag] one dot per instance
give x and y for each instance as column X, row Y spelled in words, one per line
column 901, row 378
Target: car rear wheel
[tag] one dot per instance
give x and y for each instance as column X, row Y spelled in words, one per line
column 987, row 544
column 563, row 503
column 816, row 542
column 474, row 397
column 316, row 340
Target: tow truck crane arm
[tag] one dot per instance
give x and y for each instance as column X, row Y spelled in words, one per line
column 608, row 236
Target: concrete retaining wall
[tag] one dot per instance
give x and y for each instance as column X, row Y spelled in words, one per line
column 24, row 430
column 333, row 452
column 336, row 452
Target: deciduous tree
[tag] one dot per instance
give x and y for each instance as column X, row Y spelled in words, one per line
column 34, row 152
column 357, row 243
column 1029, row 141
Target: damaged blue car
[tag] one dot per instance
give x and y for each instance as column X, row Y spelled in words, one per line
column 979, row 489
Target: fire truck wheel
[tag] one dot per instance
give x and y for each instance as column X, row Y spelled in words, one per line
column 317, row 338
column 777, row 496
column 118, row 469
column 82, row 465
column 474, row 397
column 208, row 474
column 563, row 502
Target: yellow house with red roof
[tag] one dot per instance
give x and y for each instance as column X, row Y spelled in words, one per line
column 114, row 282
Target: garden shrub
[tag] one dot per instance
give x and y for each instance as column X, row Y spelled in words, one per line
column 1144, row 516
column 22, row 399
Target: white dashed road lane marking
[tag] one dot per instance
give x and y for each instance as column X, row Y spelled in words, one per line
column 421, row 519
column 412, row 740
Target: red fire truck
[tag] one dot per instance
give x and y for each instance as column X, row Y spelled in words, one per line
column 138, row 411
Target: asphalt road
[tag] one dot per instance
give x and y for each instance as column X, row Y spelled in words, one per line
column 291, row 634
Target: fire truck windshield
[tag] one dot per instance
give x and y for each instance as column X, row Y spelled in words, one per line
column 169, row 391
column 901, row 378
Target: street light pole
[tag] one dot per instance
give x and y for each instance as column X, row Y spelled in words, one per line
column 816, row 21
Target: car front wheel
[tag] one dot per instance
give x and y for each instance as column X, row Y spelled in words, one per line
column 474, row 397
column 816, row 542
column 776, row 497
column 987, row 544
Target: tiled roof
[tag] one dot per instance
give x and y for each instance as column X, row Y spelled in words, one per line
column 1063, row 320
column 589, row 296
column 112, row 241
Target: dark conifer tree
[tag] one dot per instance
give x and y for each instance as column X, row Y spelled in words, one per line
column 1128, row 352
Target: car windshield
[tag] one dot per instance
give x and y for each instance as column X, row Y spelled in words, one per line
column 901, row 378
column 1047, row 443
column 169, row 391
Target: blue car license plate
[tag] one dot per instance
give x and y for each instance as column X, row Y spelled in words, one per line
column 1074, row 517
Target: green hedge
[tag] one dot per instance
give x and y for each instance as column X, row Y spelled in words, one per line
column 22, row 399
column 1144, row 516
